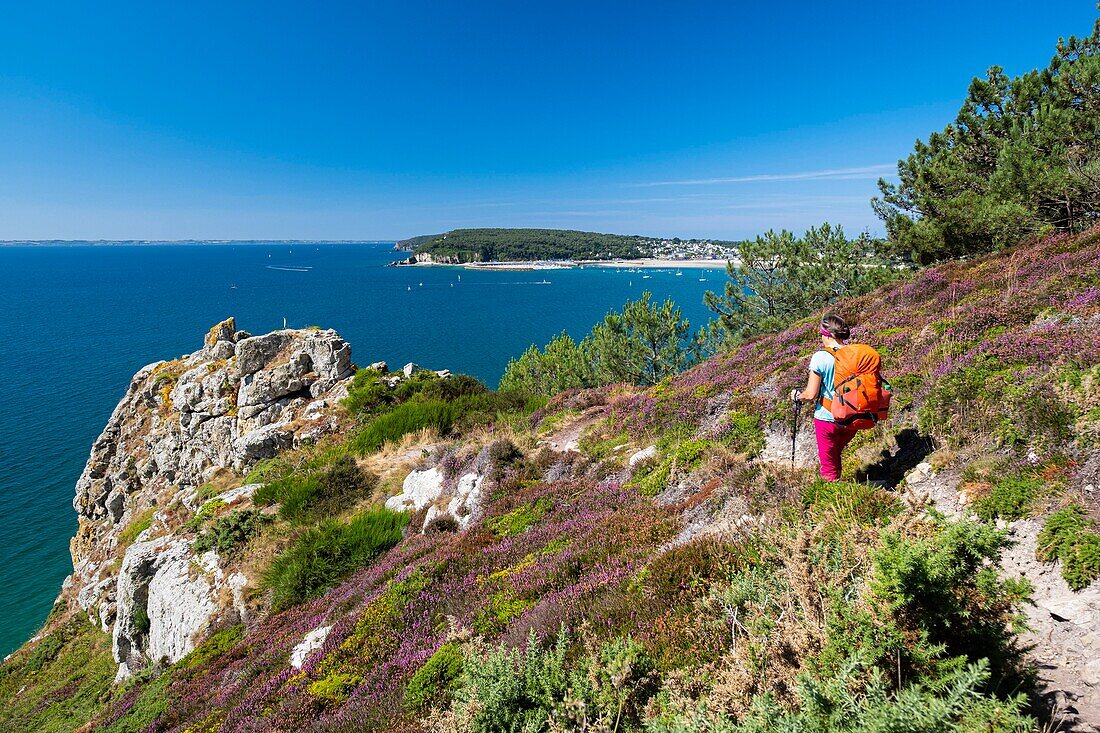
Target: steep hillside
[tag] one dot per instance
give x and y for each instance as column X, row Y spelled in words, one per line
column 436, row 557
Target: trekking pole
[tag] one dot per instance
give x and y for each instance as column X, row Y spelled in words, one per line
column 797, row 408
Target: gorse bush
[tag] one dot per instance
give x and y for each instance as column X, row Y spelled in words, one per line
column 849, row 702
column 511, row 691
column 328, row 553
column 947, row 586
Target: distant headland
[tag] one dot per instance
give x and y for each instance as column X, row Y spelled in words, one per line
column 554, row 248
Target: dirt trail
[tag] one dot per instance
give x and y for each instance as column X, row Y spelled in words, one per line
column 1064, row 635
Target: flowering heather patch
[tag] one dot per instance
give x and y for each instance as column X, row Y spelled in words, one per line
column 390, row 618
column 1036, row 308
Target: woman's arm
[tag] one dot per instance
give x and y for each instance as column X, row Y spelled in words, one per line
column 812, row 390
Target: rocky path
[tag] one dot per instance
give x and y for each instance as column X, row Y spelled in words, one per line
column 1064, row 625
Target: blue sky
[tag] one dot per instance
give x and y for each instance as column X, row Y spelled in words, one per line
column 382, row 120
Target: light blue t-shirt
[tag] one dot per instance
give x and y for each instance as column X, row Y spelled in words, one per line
column 822, row 362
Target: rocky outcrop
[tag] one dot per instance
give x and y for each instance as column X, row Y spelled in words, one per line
column 237, row 400
column 166, row 595
column 429, row 488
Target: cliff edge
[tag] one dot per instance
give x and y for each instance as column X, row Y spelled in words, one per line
column 181, row 424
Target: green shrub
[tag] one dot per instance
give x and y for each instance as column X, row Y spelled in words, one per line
column 434, row 683
column 946, row 586
column 851, row 703
column 610, row 686
column 1069, row 535
column 230, row 531
column 207, row 510
column 367, row 392
column 518, row 520
column 1011, row 497
column 327, row 554
column 508, row 690
column 404, row 419
column 317, row 491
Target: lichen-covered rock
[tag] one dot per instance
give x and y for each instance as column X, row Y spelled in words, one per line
column 237, row 400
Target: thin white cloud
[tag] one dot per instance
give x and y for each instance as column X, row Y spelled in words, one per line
column 835, row 174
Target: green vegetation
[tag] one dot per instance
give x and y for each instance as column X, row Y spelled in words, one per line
column 219, row 643
column 59, row 683
column 402, row 420
column 510, row 245
column 205, row 513
column 150, row 702
column 781, row 278
column 1070, row 536
column 518, row 520
column 136, row 526
column 1021, row 157
column 328, row 553
column 435, row 682
column 852, row 702
column 643, row 344
column 424, row 401
column 1010, row 497
column 321, row 489
column 229, row 532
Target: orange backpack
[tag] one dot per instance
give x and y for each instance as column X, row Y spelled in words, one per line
column 861, row 397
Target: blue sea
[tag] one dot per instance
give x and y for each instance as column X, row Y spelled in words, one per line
column 76, row 322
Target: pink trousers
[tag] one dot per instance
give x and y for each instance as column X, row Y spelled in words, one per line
column 831, row 441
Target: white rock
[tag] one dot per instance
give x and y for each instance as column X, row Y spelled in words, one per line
column 312, row 641
column 642, row 455
column 157, row 579
column 419, row 489
column 239, row 493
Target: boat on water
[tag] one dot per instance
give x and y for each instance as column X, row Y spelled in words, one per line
column 678, row 273
column 294, row 268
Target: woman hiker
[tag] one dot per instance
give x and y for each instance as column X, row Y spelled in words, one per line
column 831, row 438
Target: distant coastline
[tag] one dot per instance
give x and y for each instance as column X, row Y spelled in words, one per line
column 170, row 242
column 524, row 265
